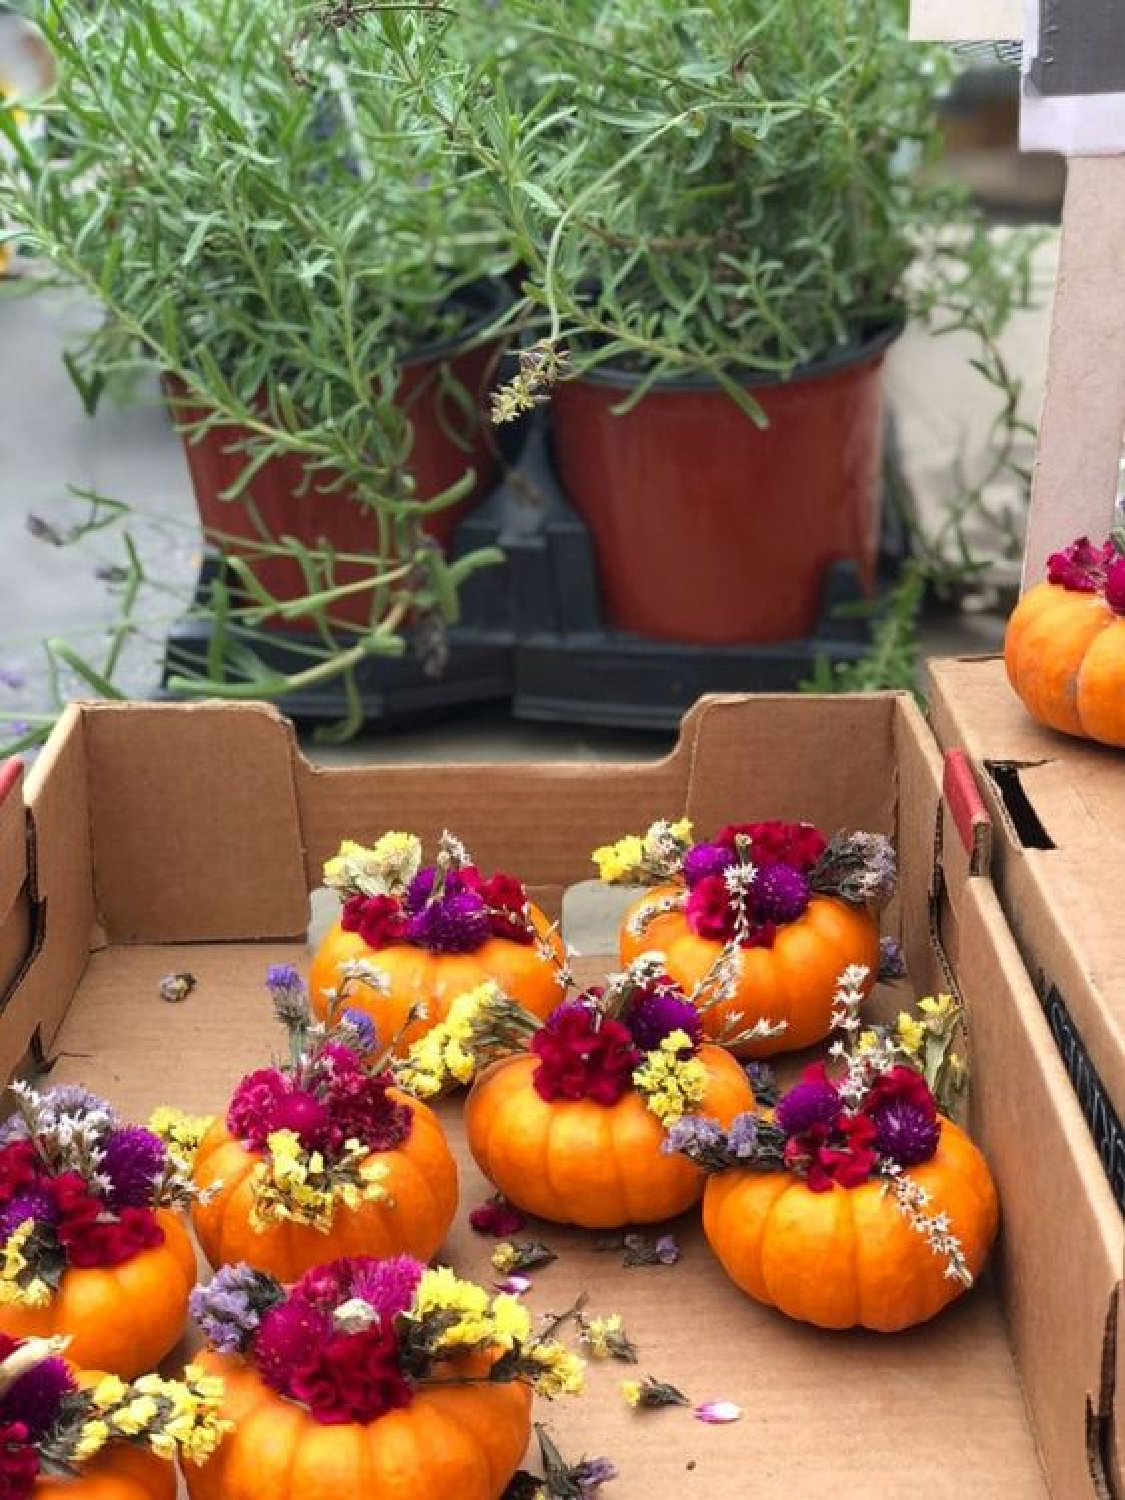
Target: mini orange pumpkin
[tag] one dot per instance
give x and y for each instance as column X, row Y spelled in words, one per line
column 849, row 1257
column 581, row 1162
column 123, row 1319
column 119, row 1472
column 794, row 981
column 1064, row 652
column 421, row 1178
column 417, row 976
column 453, row 1442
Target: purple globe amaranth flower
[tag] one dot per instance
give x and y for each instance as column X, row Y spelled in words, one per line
column 1115, row 586
column 706, row 859
column 35, row 1398
column 34, row 1204
column 455, row 924
column 660, row 1012
column 419, row 890
column 134, row 1159
column 905, row 1132
column 388, row 1285
column 813, row 1101
column 780, row 894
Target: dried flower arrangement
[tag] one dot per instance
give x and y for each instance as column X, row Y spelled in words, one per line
column 375, row 1366
column 1065, row 643
column 67, row 1434
column 776, row 908
column 94, row 1247
column 568, row 1113
column 824, row 1207
column 321, row 1154
column 432, row 932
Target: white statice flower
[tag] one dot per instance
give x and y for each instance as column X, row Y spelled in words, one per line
column 363, row 971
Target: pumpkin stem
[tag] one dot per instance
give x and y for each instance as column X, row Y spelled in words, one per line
column 27, row 1357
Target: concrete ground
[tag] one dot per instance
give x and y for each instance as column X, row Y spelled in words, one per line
column 50, row 453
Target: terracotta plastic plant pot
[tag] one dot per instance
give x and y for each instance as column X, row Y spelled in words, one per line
column 709, row 529
column 122, row 1319
column 448, row 441
column 453, row 1442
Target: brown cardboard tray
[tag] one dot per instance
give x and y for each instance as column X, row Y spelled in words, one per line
column 159, row 839
column 1058, row 857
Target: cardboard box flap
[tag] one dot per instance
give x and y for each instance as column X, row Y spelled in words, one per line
column 726, row 757
column 194, row 822
column 1059, row 865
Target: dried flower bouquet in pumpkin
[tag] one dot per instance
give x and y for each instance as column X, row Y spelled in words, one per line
column 1064, row 648
column 94, row 1244
column 857, row 1202
column 322, row 1155
column 432, row 932
column 71, row 1435
column 567, row 1115
column 776, row 907
column 375, row 1377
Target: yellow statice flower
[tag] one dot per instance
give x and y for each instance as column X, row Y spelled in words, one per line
column 33, row 1293
column 448, row 1050
column 620, row 863
column 441, row 1291
column 554, row 1370
column 181, row 1133
column 911, row 1033
column 504, row 1257
column 601, row 1333
column 297, row 1186
column 135, row 1417
column 673, row 1086
column 939, row 1011
column 110, row 1391
column 511, row 1321
column 92, row 1439
column 384, row 869
column 631, row 1390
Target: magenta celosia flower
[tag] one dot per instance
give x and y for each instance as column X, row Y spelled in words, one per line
column 780, row 894
column 288, row 1338
column 35, row 1203
column 1081, row 567
column 387, row 1285
column 253, row 1107
column 657, row 1013
column 361, row 1109
column 134, row 1161
column 582, row 1056
column 1115, row 586
column 710, row 909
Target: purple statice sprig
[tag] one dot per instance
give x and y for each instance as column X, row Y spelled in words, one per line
column 752, row 1140
column 561, row 1480
column 641, row 1249
column 859, row 868
column 230, row 1308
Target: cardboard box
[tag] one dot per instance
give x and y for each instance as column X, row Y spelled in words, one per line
column 1058, row 809
column 168, row 838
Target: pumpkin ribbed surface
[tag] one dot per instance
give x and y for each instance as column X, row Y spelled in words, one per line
column 580, row 1162
column 123, row 1319
column 453, row 1442
column 794, row 981
column 119, row 1472
column 417, row 976
column 421, row 1178
column 849, row 1257
column 1065, row 656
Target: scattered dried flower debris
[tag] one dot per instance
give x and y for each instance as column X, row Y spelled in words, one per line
column 641, row 1249
column 497, row 1217
column 175, row 988
column 606, row 1338
column 718, row 1412
column 648, row 1392
column 511, row 1256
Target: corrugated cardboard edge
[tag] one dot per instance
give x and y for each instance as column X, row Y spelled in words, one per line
column 59, row 894
column 972, row 708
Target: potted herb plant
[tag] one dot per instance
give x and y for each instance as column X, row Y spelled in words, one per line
column 312, row 271
column 723, row 217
